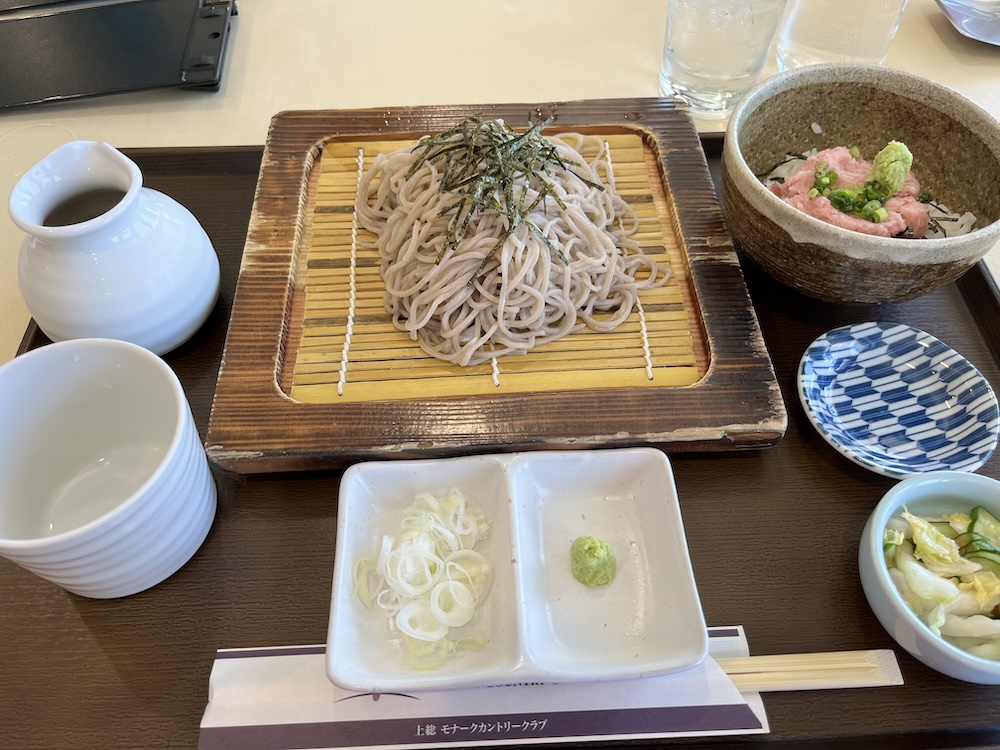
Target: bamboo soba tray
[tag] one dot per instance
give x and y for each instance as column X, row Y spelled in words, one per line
column 315, row 375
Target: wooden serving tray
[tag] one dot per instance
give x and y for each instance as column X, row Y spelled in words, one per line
column 314, row 375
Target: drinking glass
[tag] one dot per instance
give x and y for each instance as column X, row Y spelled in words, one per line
column 828, row 31
column 714, row 50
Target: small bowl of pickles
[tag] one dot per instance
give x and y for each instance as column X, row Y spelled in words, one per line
column 930, row 568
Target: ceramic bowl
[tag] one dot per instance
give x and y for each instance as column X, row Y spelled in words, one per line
column 956, row 151
column 924, row 494
column 105, row 488
column 537, row 621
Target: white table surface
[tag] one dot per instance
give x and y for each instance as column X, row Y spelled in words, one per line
column 327, row 54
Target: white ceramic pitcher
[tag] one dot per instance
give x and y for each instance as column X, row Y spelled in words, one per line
column 106, row 257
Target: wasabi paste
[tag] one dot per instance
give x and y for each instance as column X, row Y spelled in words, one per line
column 891, row 166
column 593, row 561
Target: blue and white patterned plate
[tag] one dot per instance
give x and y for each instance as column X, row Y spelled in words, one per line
column 898, row 401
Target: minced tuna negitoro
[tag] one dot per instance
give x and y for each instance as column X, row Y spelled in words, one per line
column 881, row 198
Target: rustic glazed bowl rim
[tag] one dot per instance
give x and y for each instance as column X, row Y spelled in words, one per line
column 904, row 84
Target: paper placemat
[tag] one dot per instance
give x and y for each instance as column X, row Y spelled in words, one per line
column 280, row 698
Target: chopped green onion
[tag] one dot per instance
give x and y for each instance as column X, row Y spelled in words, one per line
column 844, row 200
column 429, row 577
column 870, row 208
column 825, row 177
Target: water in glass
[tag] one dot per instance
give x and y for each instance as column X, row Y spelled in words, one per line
column 714, row 50
column 822, row 31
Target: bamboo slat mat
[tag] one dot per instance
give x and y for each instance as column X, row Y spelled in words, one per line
column 656, row 347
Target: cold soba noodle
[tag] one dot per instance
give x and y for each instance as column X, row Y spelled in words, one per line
column 548, row 252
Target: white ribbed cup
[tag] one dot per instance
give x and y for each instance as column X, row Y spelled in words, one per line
column 105, row 489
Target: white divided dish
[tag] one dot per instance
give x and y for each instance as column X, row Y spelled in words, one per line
column 540, row 623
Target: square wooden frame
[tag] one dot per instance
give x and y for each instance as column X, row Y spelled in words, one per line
column 256, row 427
